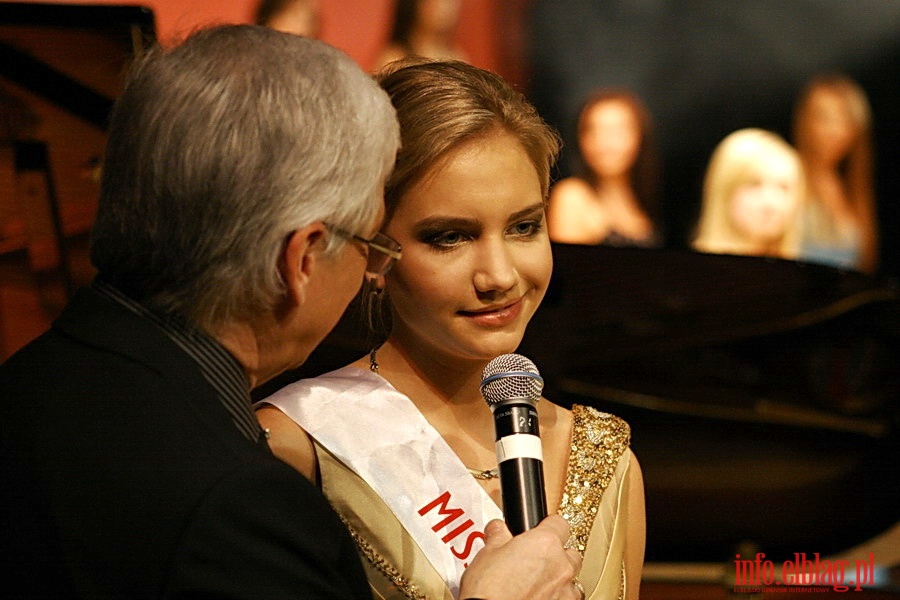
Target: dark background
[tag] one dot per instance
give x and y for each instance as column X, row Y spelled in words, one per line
column 702, row 353
column 706, row 68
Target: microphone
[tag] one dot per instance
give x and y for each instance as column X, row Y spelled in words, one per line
column 511, row 386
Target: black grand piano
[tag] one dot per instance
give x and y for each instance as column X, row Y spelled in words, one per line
column 763, row 394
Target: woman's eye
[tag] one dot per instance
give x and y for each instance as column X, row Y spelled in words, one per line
column 527, row 228
column 445, row 239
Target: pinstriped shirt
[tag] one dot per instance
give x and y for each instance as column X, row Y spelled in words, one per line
column 219, row 368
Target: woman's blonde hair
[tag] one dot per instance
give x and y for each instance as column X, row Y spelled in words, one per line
column 442, row 104
column 736, row 161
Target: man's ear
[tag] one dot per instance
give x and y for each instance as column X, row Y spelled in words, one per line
column 300, row 258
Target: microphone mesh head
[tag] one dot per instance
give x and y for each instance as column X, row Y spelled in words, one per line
column 510, row 376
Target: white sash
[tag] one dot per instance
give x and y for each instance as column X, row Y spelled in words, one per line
column 380, row 434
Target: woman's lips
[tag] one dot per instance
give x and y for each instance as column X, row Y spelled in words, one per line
column 498, row 317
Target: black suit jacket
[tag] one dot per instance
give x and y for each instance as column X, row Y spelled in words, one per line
column 123, row 477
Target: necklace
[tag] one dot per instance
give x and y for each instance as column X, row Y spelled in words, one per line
column 485, row 474
column 482, row 474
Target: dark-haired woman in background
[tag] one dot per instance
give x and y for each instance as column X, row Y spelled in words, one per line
column 613, row 200
column 423, row 28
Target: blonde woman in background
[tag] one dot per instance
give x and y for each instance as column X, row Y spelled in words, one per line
column 832, row 132
column 752, row 195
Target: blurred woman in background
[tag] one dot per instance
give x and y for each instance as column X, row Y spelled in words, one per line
column 613, row 200
column 832, row 131
column 423, row 28
column 752, row 196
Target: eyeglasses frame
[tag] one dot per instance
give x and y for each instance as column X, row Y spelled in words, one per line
column 392, row 254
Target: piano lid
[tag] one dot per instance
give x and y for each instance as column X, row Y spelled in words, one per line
column 762, row 394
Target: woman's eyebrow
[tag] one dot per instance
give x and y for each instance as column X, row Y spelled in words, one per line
column 452, row 222
column 529, row 211
column 445, row 222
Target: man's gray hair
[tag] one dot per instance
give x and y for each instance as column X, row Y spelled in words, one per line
column 221, row 147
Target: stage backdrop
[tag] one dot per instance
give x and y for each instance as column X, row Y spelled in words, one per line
column 707, row 68
column 359, row 27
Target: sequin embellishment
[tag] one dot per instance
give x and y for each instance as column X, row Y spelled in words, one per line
column 598, row 441
column 404, row 585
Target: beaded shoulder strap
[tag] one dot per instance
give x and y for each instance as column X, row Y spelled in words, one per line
column 598, row 441
column 381, row 564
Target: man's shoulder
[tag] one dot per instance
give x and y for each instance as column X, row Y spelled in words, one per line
column 266, row 510
column 57, row 362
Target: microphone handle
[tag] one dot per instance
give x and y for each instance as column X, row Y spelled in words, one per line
column 522, row 489
column 521, row 464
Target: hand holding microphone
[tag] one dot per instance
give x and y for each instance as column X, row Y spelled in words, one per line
column 543, row 566
column 511, row 385
column 531, row 565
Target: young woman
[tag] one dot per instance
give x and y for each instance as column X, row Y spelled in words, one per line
column 415, row 476
column 612, row 200
column 752, row 195
column 425, row 28
column 832, row 132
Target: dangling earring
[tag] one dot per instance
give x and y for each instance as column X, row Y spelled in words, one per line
column 373, row 360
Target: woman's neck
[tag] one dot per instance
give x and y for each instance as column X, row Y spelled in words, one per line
column 433, row 44
column 614, row 184
column 829, row 189
column 448, row 395
column 617, row 191
column 436, row 385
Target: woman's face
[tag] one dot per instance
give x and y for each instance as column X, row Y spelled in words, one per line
column 611, row 138
column 832, row 130
column 762, row 208
column 438, row 15
column 476, row 256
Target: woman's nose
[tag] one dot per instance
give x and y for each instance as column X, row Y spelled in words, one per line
column 495, row 270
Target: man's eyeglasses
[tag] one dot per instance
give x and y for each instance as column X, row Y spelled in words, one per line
column 387, row 251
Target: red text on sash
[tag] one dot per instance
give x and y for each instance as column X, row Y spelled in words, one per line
column 450, row 516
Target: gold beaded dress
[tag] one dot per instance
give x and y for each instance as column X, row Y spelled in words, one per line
column 594, row 502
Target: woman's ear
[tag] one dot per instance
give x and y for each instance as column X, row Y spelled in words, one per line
column 299, row 260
